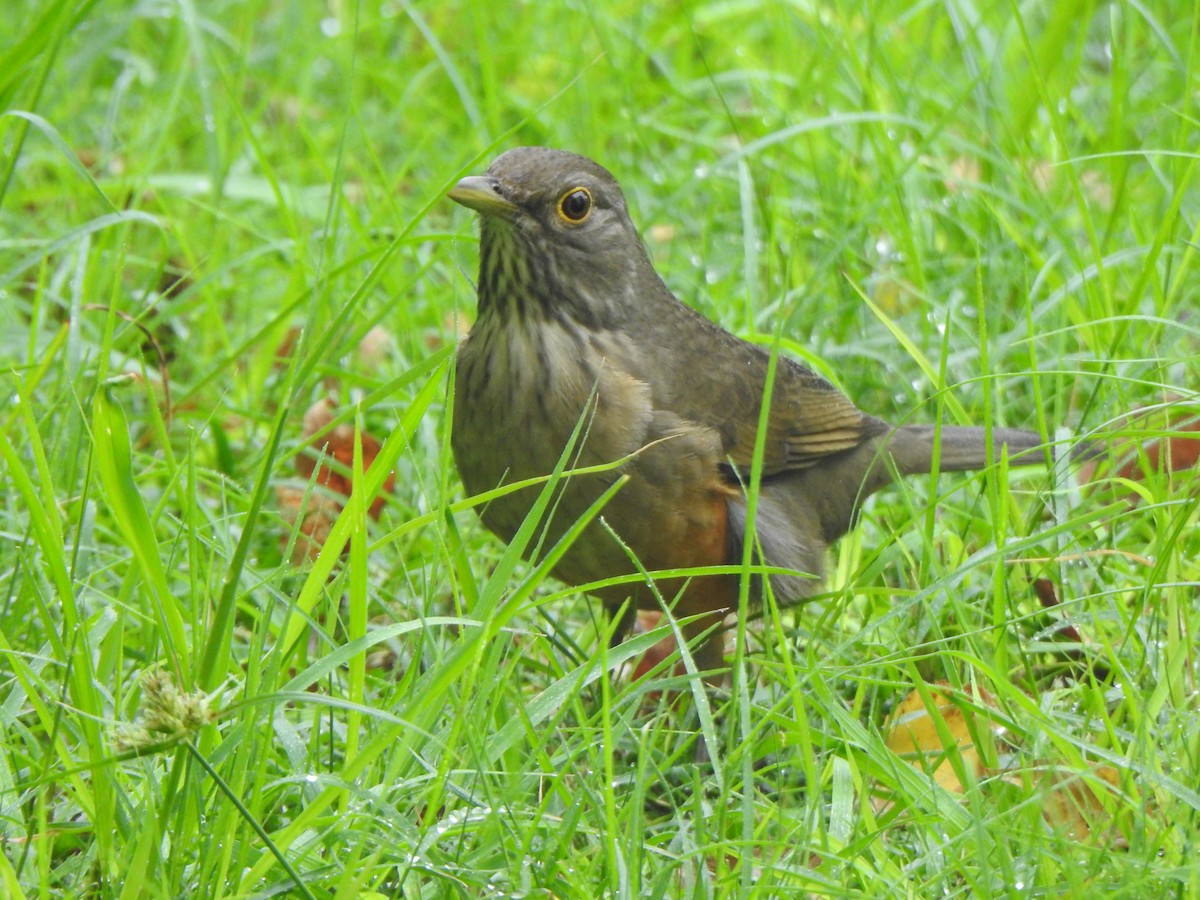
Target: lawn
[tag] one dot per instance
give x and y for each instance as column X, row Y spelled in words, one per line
column 231, row 666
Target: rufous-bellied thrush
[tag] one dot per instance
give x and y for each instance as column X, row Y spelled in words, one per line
column 575, row 328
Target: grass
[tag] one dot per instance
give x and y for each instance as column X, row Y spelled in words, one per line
column 210, row 212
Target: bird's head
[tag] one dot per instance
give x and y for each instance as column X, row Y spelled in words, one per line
column 556, row 238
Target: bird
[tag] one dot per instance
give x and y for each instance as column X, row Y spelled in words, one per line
column 578, row 343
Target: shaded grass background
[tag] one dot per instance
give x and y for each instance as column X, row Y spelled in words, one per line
column 957, row 213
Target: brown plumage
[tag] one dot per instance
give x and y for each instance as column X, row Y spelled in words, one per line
column 574, row 323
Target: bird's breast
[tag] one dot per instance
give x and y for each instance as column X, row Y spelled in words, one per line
column 521, row 392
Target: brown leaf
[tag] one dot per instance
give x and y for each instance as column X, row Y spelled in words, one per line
column 375, row 348
column 1043, row 588
column 310, row 514
column 913, row 734
column 338, row 446
column 283, row 353
column 1171, row 453
column 661, row 234
column 1174, row 451
column 1070, row 802
column 964, row 172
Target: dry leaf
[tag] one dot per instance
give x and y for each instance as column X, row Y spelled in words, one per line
column 338, row 445
column 1070, row 803
column 1069, row 800
column 1042, row 174
column 283, row 353
column 375, row 348
column 1097, row 187
column 311, row 514
column 661, row 234
column 1174, row 452
column 1043, row 589
column 913, row 734
column 964, row 171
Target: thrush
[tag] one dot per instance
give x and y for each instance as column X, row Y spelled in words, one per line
column 577, row 334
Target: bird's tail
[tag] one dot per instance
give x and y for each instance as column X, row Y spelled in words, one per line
column 960, row 448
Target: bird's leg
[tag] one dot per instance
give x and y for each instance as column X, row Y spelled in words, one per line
column 624, row 616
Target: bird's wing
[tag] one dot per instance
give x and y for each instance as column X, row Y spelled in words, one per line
column 809, row 420
column 704, row 375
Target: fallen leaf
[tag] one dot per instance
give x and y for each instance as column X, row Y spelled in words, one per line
column 913, row 734
column 1070, row 802
column 1043, row 589
column 309, row 515
column 661, row 234
column 338, row 445
column 964, row 172
column 375, row 347
column 1175, row 450
column 1070, row 799
column 283, row 353
column 327, row 464
column 1170, row 453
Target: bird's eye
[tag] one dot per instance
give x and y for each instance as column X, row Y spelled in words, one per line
column 575, row 205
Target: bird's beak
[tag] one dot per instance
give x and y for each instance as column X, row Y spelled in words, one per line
column 482, row 194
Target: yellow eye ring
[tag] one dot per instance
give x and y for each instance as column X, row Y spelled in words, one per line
column 575, row 205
